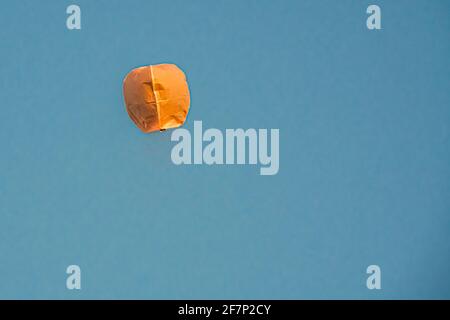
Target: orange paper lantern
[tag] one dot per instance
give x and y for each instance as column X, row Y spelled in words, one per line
column 156, row 97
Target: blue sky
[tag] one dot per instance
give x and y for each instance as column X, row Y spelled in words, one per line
column 364, row 120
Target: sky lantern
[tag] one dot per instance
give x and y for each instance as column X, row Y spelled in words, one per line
column 156, row 97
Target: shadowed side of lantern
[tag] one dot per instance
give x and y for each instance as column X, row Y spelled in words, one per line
column 172, row 94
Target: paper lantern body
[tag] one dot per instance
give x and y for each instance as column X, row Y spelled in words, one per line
column 156, row 97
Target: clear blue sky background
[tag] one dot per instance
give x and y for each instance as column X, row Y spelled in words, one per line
column 364, row 178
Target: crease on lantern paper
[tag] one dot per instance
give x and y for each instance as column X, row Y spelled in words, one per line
column 156, row 97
